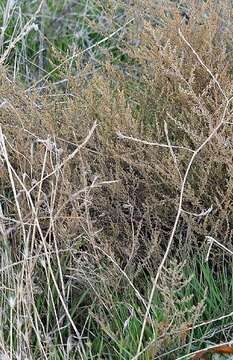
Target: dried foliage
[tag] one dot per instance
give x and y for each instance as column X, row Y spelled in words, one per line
column 164, row 82
column 97, row 170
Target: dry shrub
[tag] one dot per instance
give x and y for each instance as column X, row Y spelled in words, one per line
column 163, row 80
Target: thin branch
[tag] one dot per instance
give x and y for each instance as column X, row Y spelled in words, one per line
column 145, row 142
column 212, row 241
column 202, row 213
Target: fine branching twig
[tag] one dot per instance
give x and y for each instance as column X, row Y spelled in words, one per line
column 212, row 241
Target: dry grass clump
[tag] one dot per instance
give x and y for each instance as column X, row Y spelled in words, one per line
column 129, row 163
column 166, row 96
column 169, row 82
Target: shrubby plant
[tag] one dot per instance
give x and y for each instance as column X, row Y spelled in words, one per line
column 115, row 166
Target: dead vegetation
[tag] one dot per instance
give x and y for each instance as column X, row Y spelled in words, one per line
column 99, row 173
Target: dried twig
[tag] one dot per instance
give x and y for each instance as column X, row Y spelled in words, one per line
column 212, row 241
